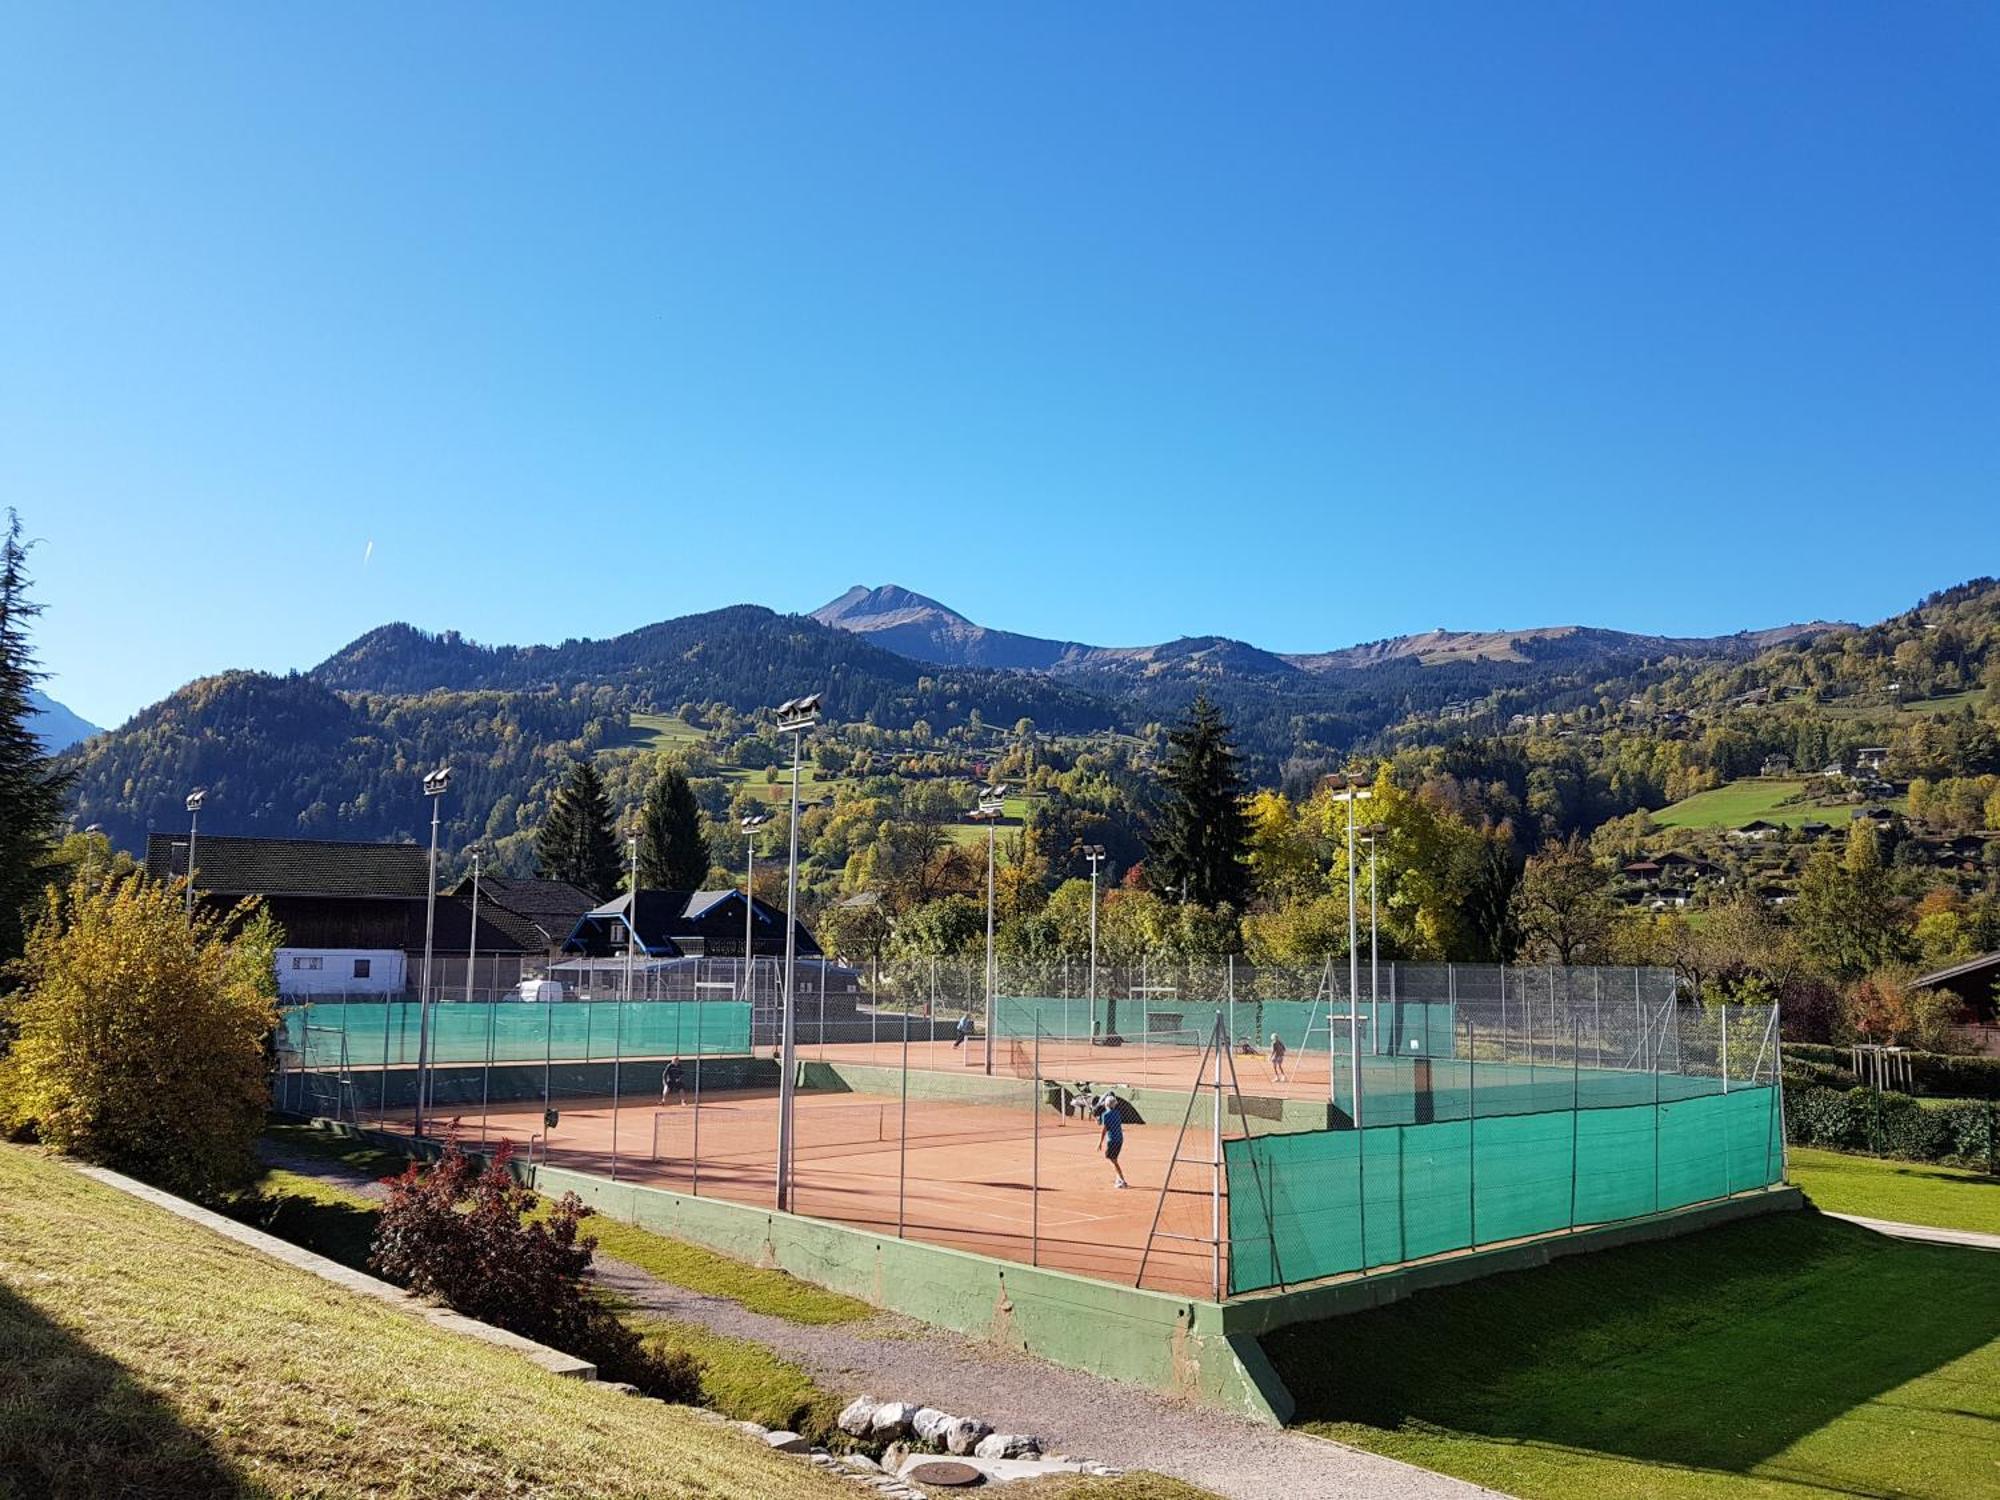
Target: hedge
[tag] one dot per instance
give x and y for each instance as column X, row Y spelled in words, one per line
column 1956, row 1132
column 1937, row 1075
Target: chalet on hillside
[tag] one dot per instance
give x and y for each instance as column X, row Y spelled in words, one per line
column 353, row 915
column 1755, row 831
column 1976, row 982
column 1777, row 765
column 1871, row 757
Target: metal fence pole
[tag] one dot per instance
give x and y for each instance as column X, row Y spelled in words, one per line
column 1472, row 1133
column 903, row 1125
column 617, row 1068
column 382, row 1103
column 1575, row 1107
column 486, row 1078
column 1035, row 1158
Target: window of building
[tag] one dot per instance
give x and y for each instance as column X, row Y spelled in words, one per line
column 361, row 967
column 306, row 963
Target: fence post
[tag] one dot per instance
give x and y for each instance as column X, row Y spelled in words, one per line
column 382, row 1103
column 1575, row 1107
column 1471, row 1133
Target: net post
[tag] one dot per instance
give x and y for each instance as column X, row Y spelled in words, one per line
column 486, row 1078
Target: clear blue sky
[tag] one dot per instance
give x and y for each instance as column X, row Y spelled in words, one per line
column 1107, row 322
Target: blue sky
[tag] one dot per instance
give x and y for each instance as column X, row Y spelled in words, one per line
column 1112, row 322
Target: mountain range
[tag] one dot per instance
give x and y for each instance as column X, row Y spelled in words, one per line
column 57, row 726
column 912, row 625
column 328, row 752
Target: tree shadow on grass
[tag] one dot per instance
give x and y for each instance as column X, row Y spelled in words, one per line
column 341, row 1232
column 75, row 1425
column 1716, row 1350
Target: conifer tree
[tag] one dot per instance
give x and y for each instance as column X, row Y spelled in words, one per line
column 32, row 786
column 673, row 854
column 1201, row 837
column 577, row 842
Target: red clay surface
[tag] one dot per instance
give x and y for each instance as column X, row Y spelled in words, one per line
column 963, row 1175
column 1134, row 1065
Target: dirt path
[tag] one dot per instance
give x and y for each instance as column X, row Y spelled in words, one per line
column 894, row 1358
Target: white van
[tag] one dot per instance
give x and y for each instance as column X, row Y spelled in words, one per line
column 539, row 991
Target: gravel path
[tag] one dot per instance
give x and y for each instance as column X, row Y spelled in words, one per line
column 894, row 1358
column 897, row 1359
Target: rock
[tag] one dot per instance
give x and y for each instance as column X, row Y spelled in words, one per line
column 964, row 1435
column 623, row 1388
column 752, row 1428
column 929, row 1424
column 862, row 1462
column 787, row 1442
column 891, row 1419
column 894, row 1456
column 859, row 1413
column 1007, row 1445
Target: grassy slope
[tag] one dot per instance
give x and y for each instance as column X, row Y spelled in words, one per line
column 1741, row 802
column 145, row 1356
column 1907, row 1191
column 1781, row 1357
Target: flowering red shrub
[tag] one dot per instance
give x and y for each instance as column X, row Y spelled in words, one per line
column 464, row 1235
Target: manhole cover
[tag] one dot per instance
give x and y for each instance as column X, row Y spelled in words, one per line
column 944, row 1473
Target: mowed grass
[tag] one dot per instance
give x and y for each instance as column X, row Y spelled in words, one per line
column 146, row 1356
column 1908, row 1192
column 659, row 732
column 1745, row 801
column 1774, row 1359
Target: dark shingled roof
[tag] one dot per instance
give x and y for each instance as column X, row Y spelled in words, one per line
column 292, row 867
column 549, row 907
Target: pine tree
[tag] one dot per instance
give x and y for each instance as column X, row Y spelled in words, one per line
column 32, row 787
column 576, row 842
column 1201, row 837
column 673, row 854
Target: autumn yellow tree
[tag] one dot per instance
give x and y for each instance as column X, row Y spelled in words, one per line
column 139, row 1034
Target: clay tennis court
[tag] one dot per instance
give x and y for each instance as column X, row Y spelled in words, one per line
column 958, row 1174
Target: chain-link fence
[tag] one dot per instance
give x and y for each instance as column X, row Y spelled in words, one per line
column 1279, row 1128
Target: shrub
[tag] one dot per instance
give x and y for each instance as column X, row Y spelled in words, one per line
column 1955, row 1131
column 462, row 1234
column 140, row 1033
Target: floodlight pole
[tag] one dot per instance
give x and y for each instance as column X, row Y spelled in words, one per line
column 750, row 825
column 472, row 942
column 631, row 907
column 435, row 786
column 1374, row 962
column 194, row 820
column 1095, row 854
column 991, row 804
column 797, row 716
column 1352, row 793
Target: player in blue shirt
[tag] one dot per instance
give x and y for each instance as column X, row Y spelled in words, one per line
column 1111, row 1134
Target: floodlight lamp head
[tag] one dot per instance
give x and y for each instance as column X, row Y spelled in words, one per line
column 195, row 799
column 438, row 782
column 754, row 821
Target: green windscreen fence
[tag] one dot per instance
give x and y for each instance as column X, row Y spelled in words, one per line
column 1400, row 1030
column 575, row 1031
column 1322, row 1203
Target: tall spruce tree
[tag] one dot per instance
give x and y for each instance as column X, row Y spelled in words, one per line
column 576, row 842
column 1201, row 837
column 32, row 786
column 673, row 854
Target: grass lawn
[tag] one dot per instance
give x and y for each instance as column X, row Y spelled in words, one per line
column 658, row 732
column 340, row 1224
column 147, row 1357
column 1744, row 801
column 1911, row 1192
column 1780, row 1357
